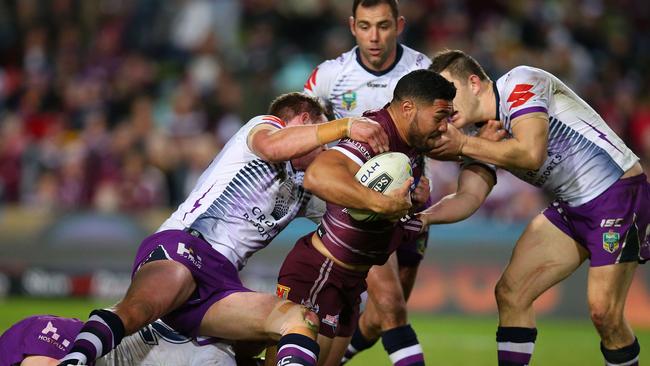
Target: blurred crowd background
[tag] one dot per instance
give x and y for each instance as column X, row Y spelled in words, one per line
column 117, row 105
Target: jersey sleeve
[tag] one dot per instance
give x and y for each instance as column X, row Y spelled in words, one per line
column 359, row 152
column 527, row 90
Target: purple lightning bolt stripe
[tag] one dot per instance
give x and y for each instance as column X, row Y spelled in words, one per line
column 601, row 134
column 196, row 203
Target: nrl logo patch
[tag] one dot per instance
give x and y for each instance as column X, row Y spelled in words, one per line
column 611, row 241
column 282, row 291
column 349, row 100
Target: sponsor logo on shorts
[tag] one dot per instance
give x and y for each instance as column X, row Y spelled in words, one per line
column 313, row 307
column 611, row 241
column 611, row 222
column 331, row 320
column 282, row 291
column 349, row 100
column 49, row 335
column 188, row 253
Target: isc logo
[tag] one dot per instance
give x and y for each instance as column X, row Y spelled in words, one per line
column 611, row 222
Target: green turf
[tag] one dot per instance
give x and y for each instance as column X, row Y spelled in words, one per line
column 446, row 340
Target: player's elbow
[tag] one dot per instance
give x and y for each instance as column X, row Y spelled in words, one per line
column 536, row 159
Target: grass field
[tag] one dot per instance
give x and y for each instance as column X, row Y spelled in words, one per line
column 446, row 340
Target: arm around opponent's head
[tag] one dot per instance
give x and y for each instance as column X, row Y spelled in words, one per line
column 306, row 130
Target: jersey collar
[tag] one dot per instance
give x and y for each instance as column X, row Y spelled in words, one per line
column 398, row 57
column 498, row 101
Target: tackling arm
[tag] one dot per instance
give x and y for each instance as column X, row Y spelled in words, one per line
column 278, row 145
column 525, row 150
column 474, row 184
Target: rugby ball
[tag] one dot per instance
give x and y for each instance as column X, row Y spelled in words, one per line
column 382, row 173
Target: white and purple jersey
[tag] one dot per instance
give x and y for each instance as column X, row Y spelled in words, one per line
column 585, row 156
column 351, row 88
column 241, row 202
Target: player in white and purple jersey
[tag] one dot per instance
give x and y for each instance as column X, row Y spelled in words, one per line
column 326, row 270
column 43, row 339
column 187, row 272
column 359, row 80
column 559, row 143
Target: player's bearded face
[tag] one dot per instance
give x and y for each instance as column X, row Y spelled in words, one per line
column 428, row 124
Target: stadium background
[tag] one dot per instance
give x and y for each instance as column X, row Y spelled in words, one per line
column 110, row 109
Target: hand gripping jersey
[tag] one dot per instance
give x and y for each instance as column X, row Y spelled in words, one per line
column 155, row 344
column 351, row 89
column 585, row 157
column 241, row 202
column 357, row 242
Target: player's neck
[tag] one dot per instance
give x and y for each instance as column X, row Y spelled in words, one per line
column 388, row 64
column 489, row 102
column 400, row 125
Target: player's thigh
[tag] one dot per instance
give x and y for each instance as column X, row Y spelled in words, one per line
column 241, row 315
column 39, row 361
column 543, row 256
column 178, row 280
column 384, row 287
column 607, row 287
column 337, row 351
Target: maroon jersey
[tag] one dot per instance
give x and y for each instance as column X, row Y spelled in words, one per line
column 356, row 242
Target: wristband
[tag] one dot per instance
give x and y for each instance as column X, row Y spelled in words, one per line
column 334, row 130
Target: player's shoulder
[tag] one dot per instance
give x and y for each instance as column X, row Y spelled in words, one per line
column 266, row 119
column 523, row 73
column 415, row 59
column 336, row 64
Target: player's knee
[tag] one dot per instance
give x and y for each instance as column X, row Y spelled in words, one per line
column 288, row 317
column 392, row 304
column 506, row 295
column 605, row 316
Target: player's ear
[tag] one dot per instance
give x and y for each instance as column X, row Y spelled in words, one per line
column 401, row 22
column 475, row 84
column 305, row 118
column 408, row 107
column 352, row 27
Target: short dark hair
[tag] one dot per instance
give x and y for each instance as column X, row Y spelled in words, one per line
column 459, row 64
column 424, row 86
column 287, row 106
column 371, row 3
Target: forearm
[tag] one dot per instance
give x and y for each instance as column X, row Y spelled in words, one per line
column 509, row 153
column 295, row 141
column 340, row 188
column 452, row 208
